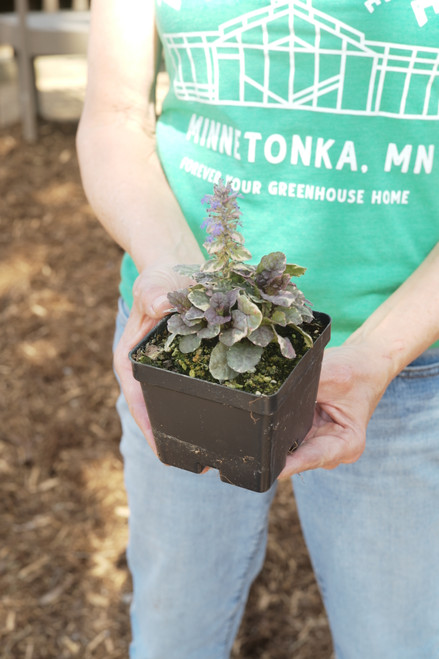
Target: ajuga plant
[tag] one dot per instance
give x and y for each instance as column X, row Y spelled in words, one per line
column 244, row 307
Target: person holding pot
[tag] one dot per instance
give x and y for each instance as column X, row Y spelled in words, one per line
column 325, row 116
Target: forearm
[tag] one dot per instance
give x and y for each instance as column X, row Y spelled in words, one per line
column 407, row 323
column 355, row 375
column 128, row 191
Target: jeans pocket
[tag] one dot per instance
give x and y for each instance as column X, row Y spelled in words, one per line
column 424, row 366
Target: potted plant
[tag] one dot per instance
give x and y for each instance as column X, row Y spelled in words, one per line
column 230, row 377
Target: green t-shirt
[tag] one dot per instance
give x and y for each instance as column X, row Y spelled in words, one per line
column 325, row 116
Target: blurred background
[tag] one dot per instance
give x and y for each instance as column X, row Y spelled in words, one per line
column 64, row 585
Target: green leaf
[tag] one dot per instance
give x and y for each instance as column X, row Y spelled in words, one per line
column 238, row 237
column 308, row 340
column 169, row 342
column 295, row 270
column 307, row 315
column 199, row 298
column 213, row 247
column 251, row 310
column 243, row 356
column 213, row 265
column 240, row 254
column 218, row 365
column 293, row 316
column 243, row 269
column 279, row 317
column 187, row 270
column 189, row 343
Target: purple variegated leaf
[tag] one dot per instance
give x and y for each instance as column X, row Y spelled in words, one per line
column 209, row 332
column 243, row 269
column 218, row 365
column 219, row 311
column 179, row 300
column 271, row 265
column 189, row 343
column 176, row 325
column 244, row 356
column 282, row 299
column 262, row 336
column 285, row 346
column 251, row 310
column 238, row 330
column 193, row 314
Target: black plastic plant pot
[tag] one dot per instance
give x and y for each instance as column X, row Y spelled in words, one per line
column 199, row 424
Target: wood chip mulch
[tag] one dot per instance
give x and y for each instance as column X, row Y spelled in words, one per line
column 64, row 585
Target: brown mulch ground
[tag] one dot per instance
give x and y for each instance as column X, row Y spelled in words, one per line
column 64, row 584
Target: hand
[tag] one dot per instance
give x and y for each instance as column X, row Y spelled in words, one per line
column 149, row 306
column 353, row 379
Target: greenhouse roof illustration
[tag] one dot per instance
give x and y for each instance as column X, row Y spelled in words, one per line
column 322, row 56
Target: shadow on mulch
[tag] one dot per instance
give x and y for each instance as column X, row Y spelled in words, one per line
column 64, row 584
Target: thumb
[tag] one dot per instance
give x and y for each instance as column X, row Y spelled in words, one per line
column 158, row 305
column 151, row 288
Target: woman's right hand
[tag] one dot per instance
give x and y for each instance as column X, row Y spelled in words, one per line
column 149, row 306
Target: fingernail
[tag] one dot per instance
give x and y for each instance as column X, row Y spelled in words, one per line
column 160, row 305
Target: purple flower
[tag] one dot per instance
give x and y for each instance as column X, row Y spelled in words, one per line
column 212, row 226
column 216, row 229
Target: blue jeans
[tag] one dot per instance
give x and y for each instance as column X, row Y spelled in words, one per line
column 372, row 529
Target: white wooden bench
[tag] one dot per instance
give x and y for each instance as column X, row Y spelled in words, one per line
column 51, row 31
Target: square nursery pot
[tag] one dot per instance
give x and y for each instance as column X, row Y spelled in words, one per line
column 246, row 437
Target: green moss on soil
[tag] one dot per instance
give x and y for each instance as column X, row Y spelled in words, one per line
column 271, row 372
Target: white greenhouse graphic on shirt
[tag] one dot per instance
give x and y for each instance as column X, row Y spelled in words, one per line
column 403, row 80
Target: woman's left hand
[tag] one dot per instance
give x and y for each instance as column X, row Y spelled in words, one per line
column 351, row 385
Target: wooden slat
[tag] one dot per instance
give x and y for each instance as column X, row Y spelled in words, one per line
column 50, row 5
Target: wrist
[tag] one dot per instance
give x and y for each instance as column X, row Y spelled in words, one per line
column 388, row 356
column 147, row 259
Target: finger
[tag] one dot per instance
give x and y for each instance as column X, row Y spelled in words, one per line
column 131, row 389
column 326, row 449
column 159, row 306
column 136, row 404
column 140, row 414
column 311, row 454
column 150, row 292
